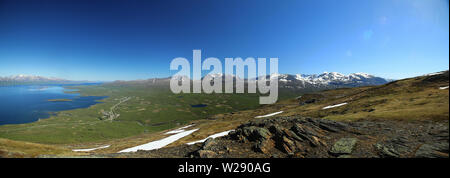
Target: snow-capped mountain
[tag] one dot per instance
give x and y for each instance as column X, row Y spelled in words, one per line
column 325, row 78
column 328, row 80
column 29, row 78
column 220, row 75
column 303, row 82
column 23, row 79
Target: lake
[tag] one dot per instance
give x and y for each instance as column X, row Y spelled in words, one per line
column 199, row 105
column 24, row 104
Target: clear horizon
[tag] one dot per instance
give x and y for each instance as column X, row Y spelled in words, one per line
column 130, row 40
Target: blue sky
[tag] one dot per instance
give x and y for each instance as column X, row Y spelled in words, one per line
column 126, row 40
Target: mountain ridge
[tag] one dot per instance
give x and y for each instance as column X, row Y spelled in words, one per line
column 24, row 79
column 326, row 80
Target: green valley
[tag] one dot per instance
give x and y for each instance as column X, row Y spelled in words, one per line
column 130, row 109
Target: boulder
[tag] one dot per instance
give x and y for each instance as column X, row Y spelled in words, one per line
column 343, row 146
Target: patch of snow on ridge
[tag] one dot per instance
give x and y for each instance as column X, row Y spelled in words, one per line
column 333, row 106
column 362, row 74
column 186, row 126
column 435, row 73
column 271, row 114
column 328, row 77
column 283, row 80
column 181, row 129
column 174, row 131
column 221, row 134
column 159, row 143
column 443, row 88
column 91, row 149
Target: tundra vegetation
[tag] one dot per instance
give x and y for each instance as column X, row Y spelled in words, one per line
column 410, row 106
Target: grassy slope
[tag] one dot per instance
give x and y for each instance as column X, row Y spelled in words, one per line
column 409, row 99
column 19, row 149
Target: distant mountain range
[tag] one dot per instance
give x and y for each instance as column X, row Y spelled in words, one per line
column 329, row 80
column 326, row 80
column 322, row 81
column 30, row 78
column 297, row 82
column 33, row 79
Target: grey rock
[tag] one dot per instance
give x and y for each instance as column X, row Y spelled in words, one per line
column 439, row 150
column 253, row 133
column 332, row 126
column 208, row 144
column 306, row 133
column 386, row 151
column 344, row 146
column 396, row 147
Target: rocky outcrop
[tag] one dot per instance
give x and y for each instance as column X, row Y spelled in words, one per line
column 300, row 137
column 303, row 137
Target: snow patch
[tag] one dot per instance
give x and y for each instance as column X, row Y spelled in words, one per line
column 435, row 73
column 181, row 129
column 333, row 106
column 443, row 88
column 91, row 149
column 221, row 134
column 174, row 131
column 271, row 114
column 159, row 143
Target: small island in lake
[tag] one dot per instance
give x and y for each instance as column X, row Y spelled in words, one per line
column 59, row 100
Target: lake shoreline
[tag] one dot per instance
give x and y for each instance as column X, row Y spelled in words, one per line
column 33, row 103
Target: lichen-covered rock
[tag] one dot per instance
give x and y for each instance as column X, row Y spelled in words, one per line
column 343, row 146
column 256, row 133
